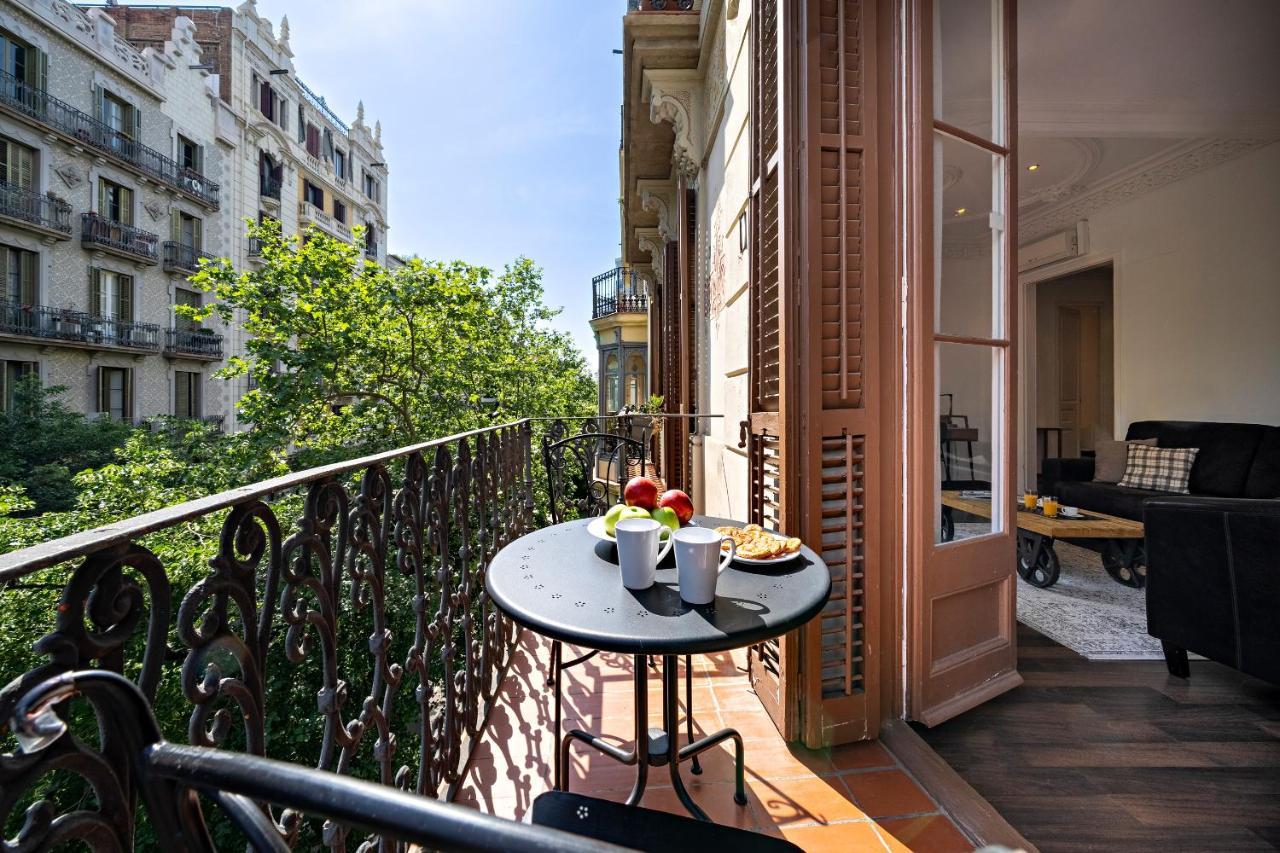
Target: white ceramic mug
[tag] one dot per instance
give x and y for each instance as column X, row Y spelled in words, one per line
column 638, row 554
column 698, row 562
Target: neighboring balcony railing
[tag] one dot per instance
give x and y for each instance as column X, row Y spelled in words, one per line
column 663, row 5
column 308, row 213
column 196, row 343
column 41, row 107
column 76, row 327
column 118, row 238
column 618, row 291
column 255, row 247
column 218, row 421
column 179, row 257
column 269, row 188
column 32, row 208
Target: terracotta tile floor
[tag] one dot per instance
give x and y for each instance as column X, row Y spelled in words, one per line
column 851, row 798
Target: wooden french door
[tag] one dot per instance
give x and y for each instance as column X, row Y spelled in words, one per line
column 812, row 436
column 961, row 133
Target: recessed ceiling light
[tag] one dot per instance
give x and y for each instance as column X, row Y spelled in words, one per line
column 1033, row 167
column 961, row 211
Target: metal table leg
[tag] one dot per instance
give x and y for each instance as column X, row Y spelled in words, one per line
column 657, row 746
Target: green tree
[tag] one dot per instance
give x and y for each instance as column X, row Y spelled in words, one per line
column 347, row 356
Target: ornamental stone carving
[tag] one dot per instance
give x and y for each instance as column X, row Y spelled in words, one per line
column 655, row 245
column 658, row 197
column 674, row 97
column 70, row 175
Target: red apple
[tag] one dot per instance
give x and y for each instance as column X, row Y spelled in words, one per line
column 641, row 492
column 678, row 501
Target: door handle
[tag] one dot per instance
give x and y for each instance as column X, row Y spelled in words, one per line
column 743, row 426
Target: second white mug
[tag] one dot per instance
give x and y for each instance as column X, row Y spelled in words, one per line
column 638, row 552
column 698, row 562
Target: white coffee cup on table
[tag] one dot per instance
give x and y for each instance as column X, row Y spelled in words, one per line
column 699, row 562
column 638, row 552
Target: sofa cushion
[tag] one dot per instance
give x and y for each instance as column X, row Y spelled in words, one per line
column 1226, row 451
column 1106, row 498
column 1264, row 476
column 1112, row 457
column 1164, row 469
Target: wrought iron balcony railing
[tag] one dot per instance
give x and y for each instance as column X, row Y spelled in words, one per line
column 99, row 233
column 618, row 291
column 31, row 207
column 199, row 343
column 269, row 188
column 83, row 129
column 360, row 582
column 180, row 257
column 663, row 6
column 76, row 327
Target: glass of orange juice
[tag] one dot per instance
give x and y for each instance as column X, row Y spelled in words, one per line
column 1029, row 500
column 1050, row 506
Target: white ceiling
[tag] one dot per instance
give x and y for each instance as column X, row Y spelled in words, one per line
column 1107, row 88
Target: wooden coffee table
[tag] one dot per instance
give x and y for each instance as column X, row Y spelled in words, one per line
column 1122, row 540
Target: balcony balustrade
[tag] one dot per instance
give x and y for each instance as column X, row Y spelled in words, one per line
column 80, row 128
column 309, row 214
column 618, row 291
column 193, row 343
column 272, row 600
column 76, row 328
column 117, row 238
column 179, row 257
column 33, row 210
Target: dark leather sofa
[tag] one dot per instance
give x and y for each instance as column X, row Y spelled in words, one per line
column 1235, row 461
column 1213, row 582
column 1213, row 557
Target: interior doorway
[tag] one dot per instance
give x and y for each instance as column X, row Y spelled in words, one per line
column 1071, row 386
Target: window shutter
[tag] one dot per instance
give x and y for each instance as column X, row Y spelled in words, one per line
column 124, row 298
column 27, row 277
column 95, row 292
column 104, row 392
column 197, row 230
column 126, row 206
column 137, row 123
column 100, row 103
column 175, row 226
column 41, row 66
column 102, row 198
column 128, row 393
column 25, row 172
column 181, row 394
column 255, row 92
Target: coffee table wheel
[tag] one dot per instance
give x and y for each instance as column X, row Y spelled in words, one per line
column 1038, row 563
column 1122, row 560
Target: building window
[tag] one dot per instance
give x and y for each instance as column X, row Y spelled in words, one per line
column 119, row 115
column 186, row 394
column 115, row 392
column 190, row 155
column 313, row 140
column 115, row 202
column 370, row 239
column 339, row 211
column 19, row 267
column 302, row 124
column 187, row 230
column 611, row 402
column 111, row 295
column 634, row 386
column 268, row 100
column 313, row 195
column 270, row 176
column 191, row 299
column 372, row 190
column 10, row 377
column 340, row 163
column 17, row 164
column 24, row 63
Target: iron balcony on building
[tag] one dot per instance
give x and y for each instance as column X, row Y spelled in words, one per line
column 37, row 106
column 618, row 291
column 179, row 257
column 78, row 329
column 663, row 6
column 269, row 187
column 117, row 238
column 204, row 344
column 40, row 213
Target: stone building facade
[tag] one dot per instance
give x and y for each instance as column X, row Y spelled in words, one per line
column 135, row 141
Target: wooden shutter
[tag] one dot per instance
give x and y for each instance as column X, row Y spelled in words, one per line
column 127, row 385
column 124, row 298
column 104, row 395
column 675, row 450
column 197, row 234
column 41, row 67
column 181, row 394
column 126, row 205
column 27, row 278
column 25, row 176
column 103, row 210
column 100, row 103
column 136, row 116
column 175, row 226
column 766, row 447
column 95, row 292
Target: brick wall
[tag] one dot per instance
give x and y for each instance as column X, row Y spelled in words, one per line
column 150, row 27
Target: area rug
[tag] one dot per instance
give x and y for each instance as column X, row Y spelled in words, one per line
column 1086, row 610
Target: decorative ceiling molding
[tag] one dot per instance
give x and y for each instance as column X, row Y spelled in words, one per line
column 673, row 96
column 658, row 197
column 1176, row 118
column 653, row 243
column 1089, row 152
column 1165, row 168
column 951, row 175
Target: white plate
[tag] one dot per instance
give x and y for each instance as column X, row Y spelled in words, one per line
column 596, row 529
column 772, row 561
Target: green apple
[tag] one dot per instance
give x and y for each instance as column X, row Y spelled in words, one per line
column 666, row 517
column 619, row 512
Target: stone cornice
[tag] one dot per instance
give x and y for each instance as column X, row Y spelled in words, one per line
column 675, row 96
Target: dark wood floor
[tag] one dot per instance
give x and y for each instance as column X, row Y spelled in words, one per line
column 1090, row 755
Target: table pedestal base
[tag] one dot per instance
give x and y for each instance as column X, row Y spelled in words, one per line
column 656, row 747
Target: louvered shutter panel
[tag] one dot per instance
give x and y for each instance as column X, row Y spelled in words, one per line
column 766, row 441
column 27, row 278
column 838, row 429
column 41, row 65
column 127, row 382
column 103, row 210
column 181, row 395
column 674, row 445
column 104, row 390
column 136, row 115
column 124, row 298
column 197, row 231
column 175, row 226
column 126, row 205
column 95, row 292
column 25, row 173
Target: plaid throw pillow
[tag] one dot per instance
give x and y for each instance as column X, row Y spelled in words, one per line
column 1159, row 469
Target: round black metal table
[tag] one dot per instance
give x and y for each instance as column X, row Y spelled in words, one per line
column 564, row 583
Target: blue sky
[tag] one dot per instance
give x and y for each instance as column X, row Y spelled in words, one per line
column 500, row 120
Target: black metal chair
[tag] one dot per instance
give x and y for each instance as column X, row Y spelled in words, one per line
column 586, row 473
column 172, row 781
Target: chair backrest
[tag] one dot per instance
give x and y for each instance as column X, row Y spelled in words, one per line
column 587, row 471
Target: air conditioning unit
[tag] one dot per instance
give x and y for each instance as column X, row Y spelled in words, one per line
column 1060, row 246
